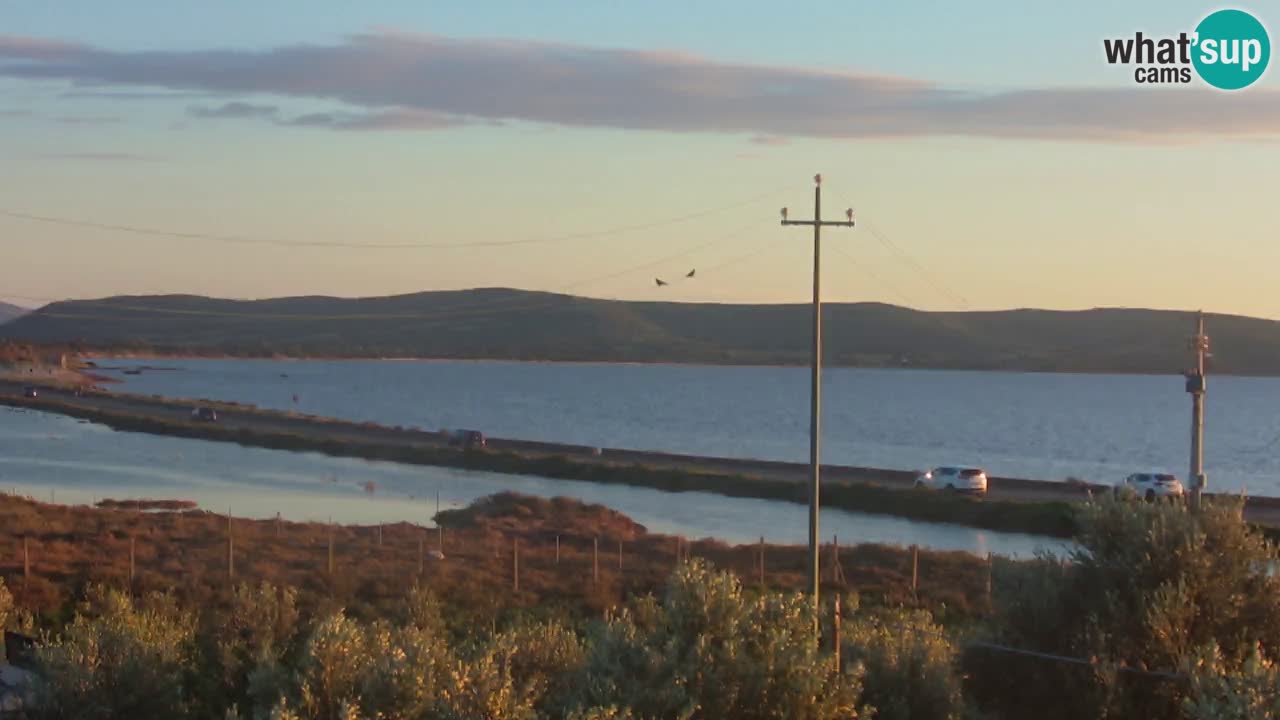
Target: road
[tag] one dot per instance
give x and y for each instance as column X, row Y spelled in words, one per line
column 1261, row 510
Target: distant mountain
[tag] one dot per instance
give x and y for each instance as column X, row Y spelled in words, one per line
column 514, row 324
column 9, row 312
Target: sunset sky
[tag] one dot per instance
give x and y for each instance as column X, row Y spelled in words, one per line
column 993, row 158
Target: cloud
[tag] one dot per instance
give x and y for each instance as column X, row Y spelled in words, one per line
column 397, row 119
column 406, row 81
column 233, row 110
column 86, row 120
column 100, row 156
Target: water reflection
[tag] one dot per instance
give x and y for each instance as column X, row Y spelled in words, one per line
column 42, row 454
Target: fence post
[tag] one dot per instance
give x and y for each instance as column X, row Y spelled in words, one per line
column 231, row 549
column 835, row 625
column 277, row 524
column 677, row 551
column 26, row 560
column 989, row 564
column 595, row 559
column 132, row 554
column 440, row 538
column 619, row 557
column 761, row 561
column 557, row 549
column 915, row 570
column 330, row 547
column 515, row 564
column 379, row 534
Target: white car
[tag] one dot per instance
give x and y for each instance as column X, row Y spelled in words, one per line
column 956, row 479
column 1150, row 486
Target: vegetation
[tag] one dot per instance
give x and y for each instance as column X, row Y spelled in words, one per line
column 511, row 324
column 1162, row 612
column 1172, row 611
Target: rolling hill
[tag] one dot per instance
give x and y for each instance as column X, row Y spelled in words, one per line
column 521, row 325
column 9, row 312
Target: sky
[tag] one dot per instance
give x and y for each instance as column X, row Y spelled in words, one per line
column 992, row 157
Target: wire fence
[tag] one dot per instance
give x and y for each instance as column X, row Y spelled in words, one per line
column 198, row 552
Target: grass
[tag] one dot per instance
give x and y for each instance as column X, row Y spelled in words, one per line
column 70, row 547
column 1055, row 519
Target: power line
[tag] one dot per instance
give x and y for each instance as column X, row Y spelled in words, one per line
column 191, row 235
column 473, row 310
column 862, row 268
column 906, row 257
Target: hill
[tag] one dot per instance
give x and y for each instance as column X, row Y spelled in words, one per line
column 521, row 325
column 9, row 312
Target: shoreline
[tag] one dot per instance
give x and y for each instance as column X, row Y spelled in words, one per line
column 827, row 365
column 1032, row 507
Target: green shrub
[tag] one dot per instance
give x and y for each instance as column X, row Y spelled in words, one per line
column 708, row 651
column 118, row 659
column 1150, row 587
column 1223, row 690
column 910, row 665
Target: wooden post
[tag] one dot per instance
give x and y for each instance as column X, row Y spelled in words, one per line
column 595, row 559
column 231, row 549
column 557, row 549
column 277, row 524
column 835, row 626
column 761, row 561
column 515, row 564
column 421, row 543
column 440, row 540
column 331, row 547
column 915, row 570
column 619, row 557
column 989, row 563
column 379, row 534
column 26, row 559
column 132, row 554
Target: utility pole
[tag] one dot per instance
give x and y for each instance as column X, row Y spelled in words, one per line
column 815, row 391
column 1196, row 386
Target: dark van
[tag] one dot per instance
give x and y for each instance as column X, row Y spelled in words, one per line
column 466, row 439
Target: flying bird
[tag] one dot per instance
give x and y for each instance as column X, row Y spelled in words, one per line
column 691, row 272
column 660, row 282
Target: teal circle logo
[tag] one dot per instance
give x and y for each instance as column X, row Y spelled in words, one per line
column 1232, row 49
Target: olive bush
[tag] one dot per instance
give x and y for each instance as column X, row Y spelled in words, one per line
column 910, row 665
column 1151, row 587
column 118, row 658
column 709, row 651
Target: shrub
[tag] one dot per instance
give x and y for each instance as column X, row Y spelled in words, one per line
column 707, row 651
column 1221, row 690
column 910, row 665
column 117, row 659
column 1150, row 587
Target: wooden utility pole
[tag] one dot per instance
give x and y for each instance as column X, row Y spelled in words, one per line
column 1196, row 386
column 815, row 389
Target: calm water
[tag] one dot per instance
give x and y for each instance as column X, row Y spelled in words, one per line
column 60, row 458
column 1045, row 426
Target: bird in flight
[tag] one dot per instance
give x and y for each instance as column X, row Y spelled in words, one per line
column 659, row 281
column 691, row 272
